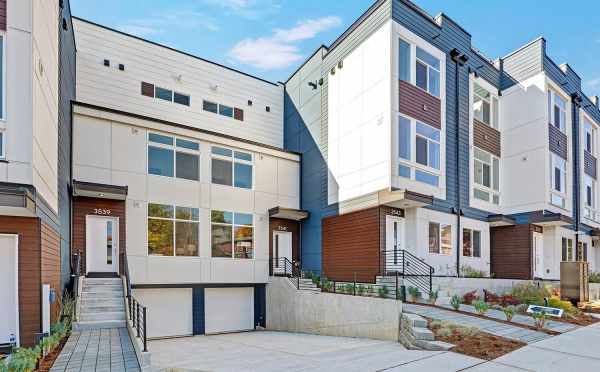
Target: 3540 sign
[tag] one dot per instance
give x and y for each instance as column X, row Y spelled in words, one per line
column 102, row 211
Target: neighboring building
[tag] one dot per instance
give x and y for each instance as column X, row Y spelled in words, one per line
column 36, row 38
column 413, row 140
column 178, row 164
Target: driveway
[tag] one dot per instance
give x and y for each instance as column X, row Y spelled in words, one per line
column 283, row 351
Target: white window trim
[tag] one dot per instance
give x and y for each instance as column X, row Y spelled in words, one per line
column 412, row 162
column 440, row 253
column 553, row 191
column 414, row 63
column 494, row 116
column 175, row 150
column 3, row 72
column 174, row 220
column 233, row 226
column 233, row 160
column 471, row 231
column 489, row 190
column 550, row 110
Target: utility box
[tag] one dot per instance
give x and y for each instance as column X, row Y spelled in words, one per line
column 574, row 284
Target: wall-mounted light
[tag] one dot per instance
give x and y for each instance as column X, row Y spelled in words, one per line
column 321, row 81
column 249, row 102
column 121, row 67
column 332, row 71
column 312, row 85
column 341, row 64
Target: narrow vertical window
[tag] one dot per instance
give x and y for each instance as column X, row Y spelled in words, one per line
column 109, row 242
column 2, row 85
column 404, row 138
column 404, row 61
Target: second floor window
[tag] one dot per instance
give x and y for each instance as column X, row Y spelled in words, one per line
column 590, row 198
column 557, row 113
column 425, row 159
column 486, row 176
column 173, row 157
column 589, row 137
column 232, row 168
column 485, row 106
column 426, row 67
column 172, row 230
column 558, row 180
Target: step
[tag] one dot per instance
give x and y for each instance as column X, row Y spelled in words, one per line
column 94, row 317
column 102, row 280
column 101, row 308
column 422, row 334
column 102, row 287
column 87, row 325
column 99, row 302
column 415, row 320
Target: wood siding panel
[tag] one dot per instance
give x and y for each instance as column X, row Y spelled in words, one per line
column 28, row 230
column 589, row 164
column 3, row 15
column 419, row 104
column 557, row 141
column 50, row 264
column 277, row 224
column 486, row 138
column 351, row 245
column 511, row 252
column 82, row 207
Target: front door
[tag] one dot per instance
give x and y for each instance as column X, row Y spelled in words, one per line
column 102, row 247
column 538, row 255
column 394, row 243
column 282, row 252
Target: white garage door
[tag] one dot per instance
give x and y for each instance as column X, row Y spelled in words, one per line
column 9, row 320
column 169, row 311
column 228, row 309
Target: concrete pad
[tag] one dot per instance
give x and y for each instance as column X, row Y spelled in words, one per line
column 537, row 359
column 442, row 362
column 583, row 342
column 496, row 367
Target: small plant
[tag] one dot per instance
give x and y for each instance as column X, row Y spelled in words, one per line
column 326, row 285
column 469, row 297
column 444, row 332
column 360, row 290
column 470, row 272
column 481, row 307
column 370, row 290
column 509, row 311
column 566, row 306
column 455, row 302
column 414, row 293
column 433, row 296
column 530, row 294
column 382, row 291
column 467, row 331
column 349, row 288
column 594, row 277
column 539, row 318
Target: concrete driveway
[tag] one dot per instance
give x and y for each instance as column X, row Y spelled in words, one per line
column 283, row 351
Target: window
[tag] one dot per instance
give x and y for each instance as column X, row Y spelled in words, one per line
column 216, row 108
column 210, row 106
column 182, row 99
column 557, row 114
column 582, row 251
column 226, row 111
column 590, row 198
column 163, row 94
column 404, row 138
column 2, row 84
column 427, row 69
column 172, row 231
column 2, row 154
column 150, row 90
column 427, row 146
column 485, row 106
column 567, row 249
column 426, row 155
column 486, row 168
column 471, row 243
column 169, row 158
column 558, row 180
column 231, row 168
column 404, row 61
column 440, row 238
column 232, row 235
column 589, row 137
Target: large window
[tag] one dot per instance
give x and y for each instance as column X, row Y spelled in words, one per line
column 589, row 137
column 567, row 249
column 425, row 158
column 232, row 235
column 173, row 157
column 172, row 230
column 558, row 178
column 557, row 113
column 232, row 168
column 485, row 106
column 471, row 243
column 427, row 67
column 440, row 238
column 2, row 76
column 486, row 176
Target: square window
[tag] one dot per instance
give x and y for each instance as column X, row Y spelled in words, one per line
column 404, row 171
column 243, row 175
column 238, row 114
column 160, row 161
column 209, row 106
column 226, row 110
column 163, row 94
column 188, row 166
column 147, row 89
column 222, row 242
column 222, row 172
column 182, row 99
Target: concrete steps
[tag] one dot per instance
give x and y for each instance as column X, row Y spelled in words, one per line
column 308, row 285
column 102, row 304
column 414, row 334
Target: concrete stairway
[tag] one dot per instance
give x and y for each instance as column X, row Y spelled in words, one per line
column 308, row 285
column 102, row 304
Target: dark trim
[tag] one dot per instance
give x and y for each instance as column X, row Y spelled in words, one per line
column 544, row 216
column 174, row 50
column 195, row 285
column 273, row 212
column 501, row 218
column 182, row 126
column 99, row 188
column 4, row 161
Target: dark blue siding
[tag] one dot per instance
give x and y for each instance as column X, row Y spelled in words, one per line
column 260, row 306
column 198, row 323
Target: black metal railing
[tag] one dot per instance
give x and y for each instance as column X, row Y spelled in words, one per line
column 75, row 274
column 409, row 267
column 282, row 266
column 137, row 312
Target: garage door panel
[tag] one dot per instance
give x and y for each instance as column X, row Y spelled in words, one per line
column 229, row 309
column 169, row 311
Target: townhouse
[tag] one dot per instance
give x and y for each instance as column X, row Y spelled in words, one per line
column 413, row 141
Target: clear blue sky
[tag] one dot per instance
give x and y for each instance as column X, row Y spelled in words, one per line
column 271, row 38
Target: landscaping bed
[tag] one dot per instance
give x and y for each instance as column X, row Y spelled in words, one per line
column 47, row 362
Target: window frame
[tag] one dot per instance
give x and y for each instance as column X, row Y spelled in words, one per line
column 493, row 102
column 175, row 148
column 552, row 95
column 412, row 72
column 429, row 68
column 442, row 249
column 471, row 232
column 233, row 225
column 236, row 112
column 174, row 220
column 562, row 194
column 590, row 210
column 233, row 159
column 490, row 190
column 3, row 76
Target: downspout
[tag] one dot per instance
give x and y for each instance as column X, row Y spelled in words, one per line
column 576, row 99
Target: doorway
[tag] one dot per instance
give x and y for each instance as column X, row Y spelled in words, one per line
column 538, row 255
column 394, row 243
column 282, row 252
column 102, row 244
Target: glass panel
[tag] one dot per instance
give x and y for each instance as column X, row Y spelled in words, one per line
column 243, row 219
column 186, row 238
column 221, row 151
column 558, row 200
column 476, row 243
column 183, row 213
column 243, row 156
column 209, row 106
column 404, row 138
column 188, row 166
column 487, row 177
column 109, row 242
column 557, row 185
column 221, row 238
column 160, row 237
column 421, row 144
column 482, row 155
column 182, row 99
column 467, row 246
column 160, row 161
column 162, row 93
column 1, row 82
column 226, row 110
column 478, row 169
column 496, row 177
column 222, row 173
column 434, row 82
column 557, row 117
column 481, row 195
column 404, row 61
column 421, row 71
column 434, row 237
column 569, row 249
column 446, row 239
column 243, row 175
column 404, row 171
column 434, row 155
column 221, row 217
column 477, row 107
column 486, row 112
column 187, row 144
column 244, row 242
column 159, row 138
column 428, row 58
column 564, row 249
column 160, row 210
column 496, row 113
column 426, row 178
column 428, row 131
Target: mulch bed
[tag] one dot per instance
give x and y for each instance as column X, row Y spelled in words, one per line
column 482, row 345
column 580, row 320
column 48, row 361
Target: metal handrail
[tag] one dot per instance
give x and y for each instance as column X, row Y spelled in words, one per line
column 137, row 311
column 282, row 266
column 76, row 270
column 408, row 266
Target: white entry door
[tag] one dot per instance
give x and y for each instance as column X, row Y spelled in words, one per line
column 101, row 244
column 9, row 303
column 538, row 255
column 394, row 243
column 282, row 248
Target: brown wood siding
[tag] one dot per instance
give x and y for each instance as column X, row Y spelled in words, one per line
column 486, row 138
column 50, row 263
column 510, row 250
column 277, row 224
column 589, row 164
column 3, row 15
column 419, row 104
column 82, row 207
column 557, row 141
column 350, row 244
column 28, row 230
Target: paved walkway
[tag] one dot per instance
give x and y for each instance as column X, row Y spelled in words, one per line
column 552, row 325
column 98, row 350
column 490, row 326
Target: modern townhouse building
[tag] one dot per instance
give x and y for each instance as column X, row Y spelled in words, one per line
column 413, row 141
column 37, row 83
column 180, row 177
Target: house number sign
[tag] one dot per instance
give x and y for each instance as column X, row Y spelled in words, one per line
column 282, row 228
column 396, row 212
column 102, row 211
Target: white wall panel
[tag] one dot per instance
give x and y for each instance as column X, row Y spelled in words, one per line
column 169, row 311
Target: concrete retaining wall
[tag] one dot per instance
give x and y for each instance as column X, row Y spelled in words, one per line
column 331, row 314
column 460, row 286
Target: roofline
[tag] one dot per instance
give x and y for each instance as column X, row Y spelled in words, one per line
column 182, row 126
column 523, row 47
column 174, row 50
column 322, row 46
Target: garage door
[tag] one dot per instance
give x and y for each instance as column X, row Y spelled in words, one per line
column 228, row 309
column 169, row 311
column 9, row 320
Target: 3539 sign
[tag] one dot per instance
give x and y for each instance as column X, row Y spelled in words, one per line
column 102, row 211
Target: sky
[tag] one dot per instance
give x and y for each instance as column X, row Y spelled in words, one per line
column 271, row 38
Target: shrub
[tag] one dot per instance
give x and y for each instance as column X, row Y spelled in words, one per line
column 433, row 296
column 469, row 297
column 444, row 332
column 360, row 289
column 470, row 272
column 509, row 311
column 529, row 293
column 594, row 277
column 467, row 331
column 455, row 302
column 349, row 288
column 370, row 290
column 522, row 308
column 481, row 306
column 414, row 293
column 326, row 285
column 539, row 318
column 382, row 291
column 566, row 306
